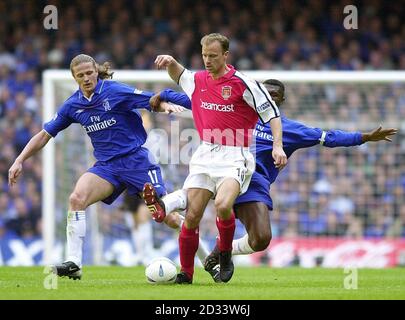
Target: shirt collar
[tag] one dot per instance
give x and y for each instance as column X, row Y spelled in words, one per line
column 97, row 90
column 227, row 75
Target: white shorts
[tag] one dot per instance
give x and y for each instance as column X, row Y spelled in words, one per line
column 211, row 164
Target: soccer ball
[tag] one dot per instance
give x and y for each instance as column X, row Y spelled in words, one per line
column 161, row 271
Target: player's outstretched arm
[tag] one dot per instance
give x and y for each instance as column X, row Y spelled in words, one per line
column 174, row 68
column 301, row 136
column 36, row 143
column 339, row 138
column 379, row 134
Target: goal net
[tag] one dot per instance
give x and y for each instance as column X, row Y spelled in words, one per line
column 342, row 200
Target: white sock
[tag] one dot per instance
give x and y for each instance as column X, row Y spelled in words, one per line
column 143, row 239
column 176, row 200
column 241, row 246
column 202, row 251
column 75, row 232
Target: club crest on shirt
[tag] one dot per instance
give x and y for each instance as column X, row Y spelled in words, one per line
column 106, row 105
column 226, row 92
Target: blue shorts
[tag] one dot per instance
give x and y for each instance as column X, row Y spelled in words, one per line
column 129, row 172
column 258, row 191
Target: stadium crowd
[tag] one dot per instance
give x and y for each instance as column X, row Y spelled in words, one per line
column 339, row 192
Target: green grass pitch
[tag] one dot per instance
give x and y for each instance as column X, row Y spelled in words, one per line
column 248, row 283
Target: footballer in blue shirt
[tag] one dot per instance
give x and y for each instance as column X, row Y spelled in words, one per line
column 252, row 207
column 109, row 113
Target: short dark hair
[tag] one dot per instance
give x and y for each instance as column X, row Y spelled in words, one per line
column 274, row 82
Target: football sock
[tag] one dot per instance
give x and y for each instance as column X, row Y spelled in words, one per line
column 241, row 246
column 175, row 201
column 75, row 232
column 226, row 230
column 188, row 244
column 143, row 239
column 202, row 251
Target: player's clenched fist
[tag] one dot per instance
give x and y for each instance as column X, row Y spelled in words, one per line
column 163, row 61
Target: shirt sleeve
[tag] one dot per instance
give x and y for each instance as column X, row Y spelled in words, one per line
column 303, row 136
column 187, row 82
column 259, row 99
column 135, row 98
column 175, row 97
column 60, row 121
column 339, row 138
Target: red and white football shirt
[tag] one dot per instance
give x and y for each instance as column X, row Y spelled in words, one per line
column 226, row 110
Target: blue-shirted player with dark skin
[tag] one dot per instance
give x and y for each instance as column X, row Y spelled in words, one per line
column 108, row 112
column 252, row 208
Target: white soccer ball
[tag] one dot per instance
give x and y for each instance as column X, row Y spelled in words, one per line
column 161, row 270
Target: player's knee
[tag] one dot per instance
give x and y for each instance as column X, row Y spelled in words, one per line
column 223, row 208
column 77, row 201
column 261, row 241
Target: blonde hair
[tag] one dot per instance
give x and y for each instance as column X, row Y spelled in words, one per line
column 104, row 71
column 210, row 38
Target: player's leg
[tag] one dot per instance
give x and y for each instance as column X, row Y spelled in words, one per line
column 227, row 193
column 166, row 207
column 256, row 219
column 189, row 237
column 137, row 218
column 158, row 206
column 83, row 195
column 142, row 233
column 175, row 201
column 175, row 221
column 257, row 192
column 252, row 209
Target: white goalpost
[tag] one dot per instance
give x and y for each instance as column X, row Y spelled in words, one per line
column 59, row 85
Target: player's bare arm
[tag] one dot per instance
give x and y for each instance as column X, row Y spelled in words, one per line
column 170, row 108
column 279, row 156
column 174, row 68
column 379, row 134
column 157, row 105
column 36, row 143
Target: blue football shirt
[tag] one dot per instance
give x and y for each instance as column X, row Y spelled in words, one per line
column 110, row 117
column 295, row 136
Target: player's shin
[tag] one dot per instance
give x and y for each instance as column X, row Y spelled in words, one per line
column 226, row 229
column 143, row 239
column 188, row 245
column 75, row 232
column 202, row 251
